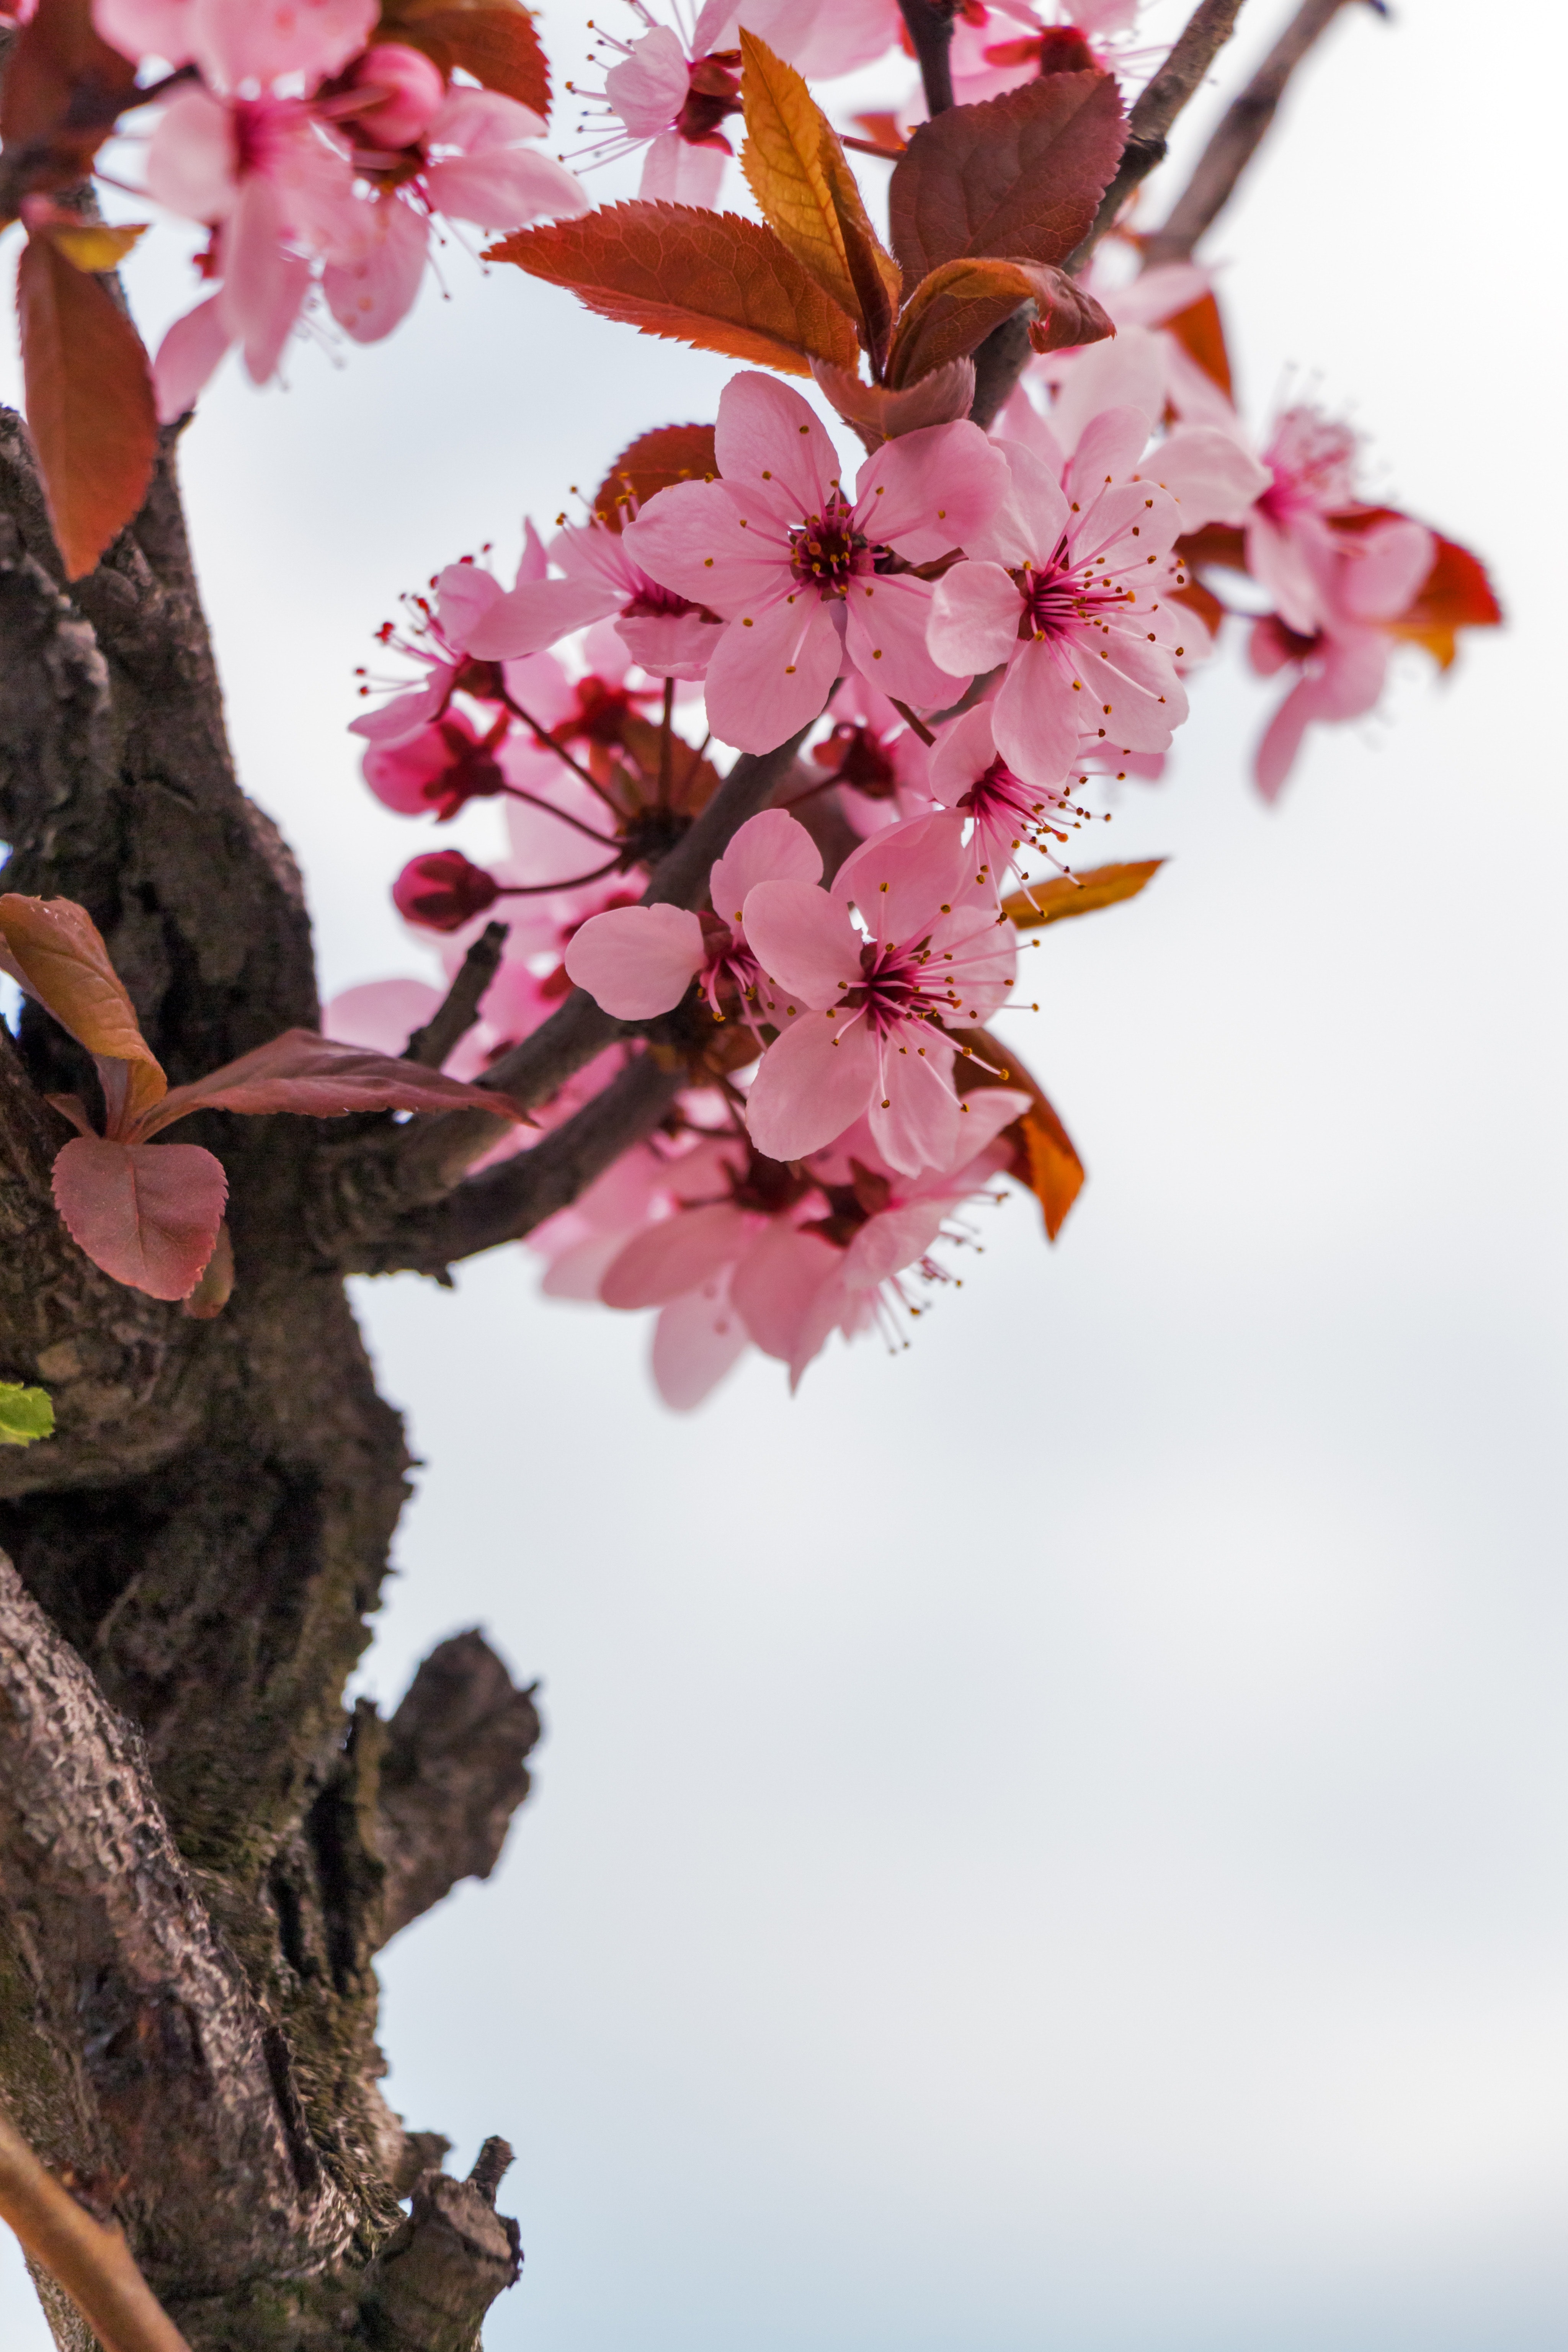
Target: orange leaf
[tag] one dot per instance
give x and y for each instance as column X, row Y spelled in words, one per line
column 1199, row 330
column 494, row 40
column 956, row 306
column 63, row 89
column 52, row 950
column 89, row 403
column 1044, row 1155
column 670, row 453
column 708, row 278
column 1080, row 894
column 798, row 174
column 93, row 245
column 1019, row 175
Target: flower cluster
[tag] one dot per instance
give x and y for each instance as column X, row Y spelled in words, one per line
column 318, row 158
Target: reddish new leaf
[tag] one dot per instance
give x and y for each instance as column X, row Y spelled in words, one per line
column 63, row 89
column 53, row 948
column 89, row 403
column 653, row 462
column 1019, row 175
column 324, row 1078
column 955, row 309
column 708, row 278
column 494, row 40
column 1067, row 894
column 878, row 413
column 148, row 1215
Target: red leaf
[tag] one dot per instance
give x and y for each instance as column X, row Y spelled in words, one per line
column 1199, row 330
column 324, row 1078
column 63, row 89
column 89, row 403
column 148, row 1215
column 1018, row 176
column 670, row 453
column 52, row 949
column 955, row 307
column 495, row 43
column 708, row 278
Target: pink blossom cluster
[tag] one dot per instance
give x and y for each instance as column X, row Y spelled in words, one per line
column 318, row 161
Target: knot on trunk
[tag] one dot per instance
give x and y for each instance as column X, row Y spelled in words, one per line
column 437, row 2274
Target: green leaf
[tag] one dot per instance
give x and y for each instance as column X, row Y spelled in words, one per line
column 26, row 1414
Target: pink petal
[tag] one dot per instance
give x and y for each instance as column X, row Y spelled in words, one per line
column 405, row 714
column 370, row 295
column 1127, row 373
column 637, row 961
column 262, row 40
column 974, row 613
column 1385, row 568
column 901, row 879
column 804, row 939
column 504, row 187
column 686, row 1250
column 1109, row 445
column 648, row 89
column 678, row 644
column 1031, row 519
column 691, row 538
column 772, row 672
column 191, row 164
column 382, row 1013
column 809, row 1085
column 674, row 172
column 148, row 1215
column 930, row 491
column 1210, row 473
column 886, row 620
column 464, row 592
column 188, row 357
column 773, row 450
column 527, row 618
column 475, row 119
column 139, row 28
column 889, row 1243
column 916, row 1118
column 964, row 749
column 696, row 1341
column 1037, row 718
column 264, row 285
column 772, row 847
column 776, row 1283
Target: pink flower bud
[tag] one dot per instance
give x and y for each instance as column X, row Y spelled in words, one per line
column 443, row 891
column 435, row 771
column 402, row 91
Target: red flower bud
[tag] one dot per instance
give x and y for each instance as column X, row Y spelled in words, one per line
column 443, row 891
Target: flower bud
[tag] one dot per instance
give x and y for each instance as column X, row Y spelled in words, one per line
column 402, row 91
column 443, row 891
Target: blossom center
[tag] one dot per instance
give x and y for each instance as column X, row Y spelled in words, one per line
column 826, row 551
column 1059, row 602
column 713, row 93
column 893, row 987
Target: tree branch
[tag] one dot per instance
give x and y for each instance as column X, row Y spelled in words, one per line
column 1241, row 131
column 452, row 1775
column 930, row 27
column 433, row 2281
column 457, row 1013
column 1204, row 36
column 91, row 2262
column 371, row 1187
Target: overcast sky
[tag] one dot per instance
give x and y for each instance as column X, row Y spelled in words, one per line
column 1053, row 1843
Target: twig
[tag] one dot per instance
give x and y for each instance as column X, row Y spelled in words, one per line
column 430, row 1045
column 930, row 27
column 93, row 2264
column 1240, row 135
column 1205, row 33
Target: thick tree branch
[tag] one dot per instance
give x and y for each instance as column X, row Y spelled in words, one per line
column 459, row 1009
column 1241, row 131
column 433, row 2281
column 453, row 1773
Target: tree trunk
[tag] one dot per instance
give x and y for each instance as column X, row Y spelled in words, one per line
column 197, row 1865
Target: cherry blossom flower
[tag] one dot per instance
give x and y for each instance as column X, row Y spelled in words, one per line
column 439, row 639
column 1364, row 581
column 1073, row 595
column 638, row 961
column 1009, row 817
column 1289, row 535
column 477, row 161
column 1002, row 46
column 664, row 633
column 797, row 571
column 867, row 972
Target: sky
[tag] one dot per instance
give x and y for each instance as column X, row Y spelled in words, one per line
column 1053, row 1841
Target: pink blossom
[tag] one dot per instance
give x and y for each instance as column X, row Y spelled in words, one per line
column 638, row 961
column 439, row 641
column 672, row 96
column 1073, row 597
column 478, row 163
column 793, row 567
column 970, row 776
column 998, row 48
column 664, row 633
column 235, row 42
column 1290, row 537
column 865, row 974
column 1365, row 580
